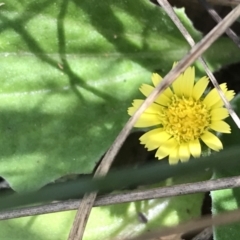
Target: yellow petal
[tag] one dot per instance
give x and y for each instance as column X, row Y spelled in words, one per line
column 184, row 153
column 177, row 85
column 174, row 156
column 219, row 114
column 146, row 89
column 213, row 96
column 212, row 141
column 153, row 108
column 148, row 120
column 220, row 126
column 135, row 105
column 188, row 81
column 229, row 95
column 200, row 87
column 168, row 92
column 174, row 64
column 131, row 110
column 161, row 99
column 166, row 148
column 154, row 138
column 195, row 148
column 156, row 79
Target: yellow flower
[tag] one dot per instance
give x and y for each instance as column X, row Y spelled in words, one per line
column 184, row 117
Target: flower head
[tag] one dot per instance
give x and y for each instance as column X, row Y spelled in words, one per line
column 184, row 117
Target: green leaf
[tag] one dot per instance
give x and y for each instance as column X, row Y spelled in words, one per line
column 106, row 222
column 222, row 201
column 43, row 227
column 111, row 222
column 69, row 70
column 228, row 199
column 129, row 220
column 68, row 76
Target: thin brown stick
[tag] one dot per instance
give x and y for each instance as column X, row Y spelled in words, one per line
column 204, row 222
column 219, row 2
column 232, row 35
column 204, row 235
column 84, row 209
column 168, row 8
column 163, row 192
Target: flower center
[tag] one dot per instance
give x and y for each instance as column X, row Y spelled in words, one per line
column 185, row 119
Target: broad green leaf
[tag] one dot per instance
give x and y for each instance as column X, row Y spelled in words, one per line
column 122, row 220
column 228, row 199
column 70, row 69
column 111, row 222
column 45, row 227
column 222, row 201
column 128, row 220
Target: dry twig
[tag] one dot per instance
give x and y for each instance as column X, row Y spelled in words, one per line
column 218, row 19
column 193, row 225
column 221, row 2
column 163, row 192
column 204, row 235
column 168, row 8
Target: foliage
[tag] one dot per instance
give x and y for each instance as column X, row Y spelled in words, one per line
column 69, row 70
column 228, row 199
